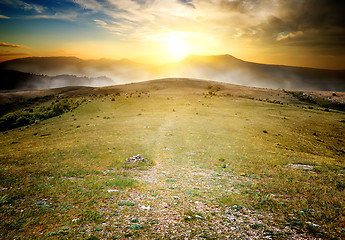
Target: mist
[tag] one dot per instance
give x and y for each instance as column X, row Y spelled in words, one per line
column 53, row 72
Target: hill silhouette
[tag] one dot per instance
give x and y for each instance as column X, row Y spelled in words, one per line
column 11, row 79
column 221, row 68
column 226, row 68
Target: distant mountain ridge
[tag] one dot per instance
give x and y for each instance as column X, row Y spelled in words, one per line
column 222, row 68
column 226, row 68
column 27, row 81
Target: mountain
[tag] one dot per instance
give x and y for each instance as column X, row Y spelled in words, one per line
column 120, row 71
column 226, row 68
column 11, row 79
column 42, row 65
column 221, row 68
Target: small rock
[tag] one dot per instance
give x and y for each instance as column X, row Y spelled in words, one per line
column 237, row 208
column 301, row 166
column 136, row 158
column 112, row 190
column 146, row 208
column 164, row 205
column 136, row 227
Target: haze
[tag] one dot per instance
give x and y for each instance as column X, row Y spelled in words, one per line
column 296, row 33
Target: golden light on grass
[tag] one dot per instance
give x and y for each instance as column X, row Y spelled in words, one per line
column 71, row 168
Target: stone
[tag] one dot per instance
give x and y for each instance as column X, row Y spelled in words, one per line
column 136, row 158
column 301, row 166
column 112, row 190
column 146, row 208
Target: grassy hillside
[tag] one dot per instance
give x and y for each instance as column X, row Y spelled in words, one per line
column 225, row 161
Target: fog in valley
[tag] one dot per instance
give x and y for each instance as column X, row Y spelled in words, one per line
column 53, row 72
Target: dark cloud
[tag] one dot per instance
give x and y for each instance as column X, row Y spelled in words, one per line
column 321, row 14
column 188, row 3
column 24, row 5
column 242, row 6
column 312, row 24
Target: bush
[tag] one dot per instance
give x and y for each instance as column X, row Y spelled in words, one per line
column 318, row 101
column 25, row 117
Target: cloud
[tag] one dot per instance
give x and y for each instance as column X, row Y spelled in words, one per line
column 4, row 17
column 288, row 35
column 36, row 11
column 61, row 16
column 24, row 5
column 315, row 25
column 2, row 44
column 242, row 6
column 114, row 28
column 297, row 15
column 140, row 19
column 309, row 24
column 188, row 3
column 92, row 5
column 8, row 53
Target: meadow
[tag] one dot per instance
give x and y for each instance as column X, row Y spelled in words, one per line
column 225, row 161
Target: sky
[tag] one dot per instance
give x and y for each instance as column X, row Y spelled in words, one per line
column 307, row 33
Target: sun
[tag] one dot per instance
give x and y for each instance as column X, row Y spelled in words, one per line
column 176, row 45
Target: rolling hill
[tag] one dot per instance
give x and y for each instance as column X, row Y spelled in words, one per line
column 226, row 68
column 120, row 71
column 222, row 68
column 11, row 79
column 224, row 161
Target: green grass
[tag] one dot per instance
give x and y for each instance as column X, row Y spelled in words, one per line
column 34, row 114
column 64, row 177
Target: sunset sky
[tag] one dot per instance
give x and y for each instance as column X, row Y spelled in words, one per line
column 297, row 32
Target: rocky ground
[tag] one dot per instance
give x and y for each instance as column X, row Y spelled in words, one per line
column 180, row 200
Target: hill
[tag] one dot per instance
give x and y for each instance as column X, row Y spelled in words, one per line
column 226, row 68
column 11, row 79
column 222, row 68
column 223, row 161
column 119, row 71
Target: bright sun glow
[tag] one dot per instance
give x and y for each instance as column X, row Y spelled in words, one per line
column 176, row 45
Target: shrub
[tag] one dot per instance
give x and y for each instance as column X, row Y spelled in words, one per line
column 25, row 117
column 318, row 101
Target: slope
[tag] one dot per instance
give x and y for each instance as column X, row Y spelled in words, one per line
column 224, row 161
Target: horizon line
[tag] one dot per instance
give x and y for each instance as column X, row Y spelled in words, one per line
column 172, row 62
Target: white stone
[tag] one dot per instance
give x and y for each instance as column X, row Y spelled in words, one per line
column 112, row 190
